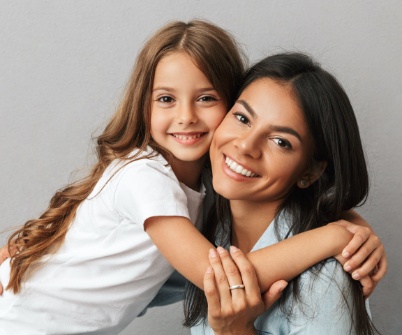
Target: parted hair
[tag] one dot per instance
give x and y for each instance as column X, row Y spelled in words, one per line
column 343, row 185
column 216, row 54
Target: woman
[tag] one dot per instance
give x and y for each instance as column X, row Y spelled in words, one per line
column 294, row 129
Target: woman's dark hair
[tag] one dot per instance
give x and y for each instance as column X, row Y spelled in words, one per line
column 343, row 185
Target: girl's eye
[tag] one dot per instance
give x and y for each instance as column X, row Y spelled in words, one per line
column 207, row 98
column 242, row 118
column 165, row 99
column 282, row 143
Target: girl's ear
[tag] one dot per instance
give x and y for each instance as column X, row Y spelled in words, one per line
column 312, row 174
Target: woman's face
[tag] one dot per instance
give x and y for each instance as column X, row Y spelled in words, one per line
column 263, row 146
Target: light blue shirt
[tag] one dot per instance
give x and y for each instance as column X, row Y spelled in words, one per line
column 322, row 309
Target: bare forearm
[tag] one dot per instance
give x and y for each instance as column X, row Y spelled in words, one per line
column 290, row 257
column 187, row 250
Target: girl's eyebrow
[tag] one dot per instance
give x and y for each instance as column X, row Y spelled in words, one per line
column 169, row 89
column 281, row 129
column 162, row 88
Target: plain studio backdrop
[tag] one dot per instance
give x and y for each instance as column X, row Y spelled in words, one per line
column 64, row 64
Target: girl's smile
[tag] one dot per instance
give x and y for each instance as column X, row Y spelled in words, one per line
column 188, row 138
column 185, row 110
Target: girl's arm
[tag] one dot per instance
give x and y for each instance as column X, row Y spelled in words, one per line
column 187, row 250
column 360, row 264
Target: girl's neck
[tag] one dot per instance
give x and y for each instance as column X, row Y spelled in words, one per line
column 250, row 220
column 189, row 173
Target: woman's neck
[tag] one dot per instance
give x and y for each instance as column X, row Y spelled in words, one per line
column 250, row 220
column 189, row 173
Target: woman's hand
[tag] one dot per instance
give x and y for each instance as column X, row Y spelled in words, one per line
column 364, row 257
column 233, row 311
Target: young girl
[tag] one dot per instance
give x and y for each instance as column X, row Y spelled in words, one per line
column 89, row 263
column 294, row 128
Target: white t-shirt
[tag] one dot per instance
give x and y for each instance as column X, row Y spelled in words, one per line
column 107, row 270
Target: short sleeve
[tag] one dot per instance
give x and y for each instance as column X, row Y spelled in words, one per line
column 147, row 188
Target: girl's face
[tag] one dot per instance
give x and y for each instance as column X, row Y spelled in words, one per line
column 185, row 108
column 263, row 146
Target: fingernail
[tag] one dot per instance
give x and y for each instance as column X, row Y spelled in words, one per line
column 209, row 270
column 355, row 275
column 347, row 267
column 283, row 287
column 220, row 250
column 233, row 249
column 345, row 254
column 212, row 253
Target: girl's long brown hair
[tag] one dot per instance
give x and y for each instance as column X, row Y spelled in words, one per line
column 214, row 51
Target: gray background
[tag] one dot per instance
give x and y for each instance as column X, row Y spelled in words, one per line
column 64, row 64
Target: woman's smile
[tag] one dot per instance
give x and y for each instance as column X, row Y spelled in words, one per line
column 263, row 143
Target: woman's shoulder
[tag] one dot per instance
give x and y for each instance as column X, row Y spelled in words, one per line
column 326, row 278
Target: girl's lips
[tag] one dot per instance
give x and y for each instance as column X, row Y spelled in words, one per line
column 236, row 170
column 188, row 138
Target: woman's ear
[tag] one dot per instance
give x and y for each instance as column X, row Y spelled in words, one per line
column 312, row 174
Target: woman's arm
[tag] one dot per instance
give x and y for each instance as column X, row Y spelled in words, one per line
column 324, row 306
column 187, row 250
column 234, row 311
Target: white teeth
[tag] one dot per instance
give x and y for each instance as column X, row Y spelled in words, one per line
column 238, row 168
column 187, row 137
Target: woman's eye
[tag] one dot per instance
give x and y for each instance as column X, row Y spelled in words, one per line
column 242, row 118
column 282, row 143
column 165, row 99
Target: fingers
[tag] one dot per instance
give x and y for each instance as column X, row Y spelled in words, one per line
column 236, row 271
column 381, row 269
column 233, row 277
column 211, row 293
column 274, row 293
column 367, row 286
column 221, row 281
column 4, row 254
column 360, row 237
column 247, row 272
column 232, row 311
column 366, row 260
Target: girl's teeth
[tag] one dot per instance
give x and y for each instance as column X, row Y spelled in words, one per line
column 184, row 137
column 238, row 168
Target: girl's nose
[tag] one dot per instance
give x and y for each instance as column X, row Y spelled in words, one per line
column 186, row 115
column 248, row 144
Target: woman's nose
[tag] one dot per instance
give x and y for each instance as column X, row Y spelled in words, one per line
column 248, row 144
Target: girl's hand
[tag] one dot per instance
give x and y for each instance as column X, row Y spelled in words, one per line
column 364, row 257
column 4, row 254
column 233, row 311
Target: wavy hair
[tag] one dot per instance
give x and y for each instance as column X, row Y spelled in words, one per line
column 217, row 55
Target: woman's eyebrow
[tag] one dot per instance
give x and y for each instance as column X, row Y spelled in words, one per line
column 247, row 107
column 287, row 130
column 277, row 128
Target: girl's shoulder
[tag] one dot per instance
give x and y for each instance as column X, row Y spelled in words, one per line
column 139, row 167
